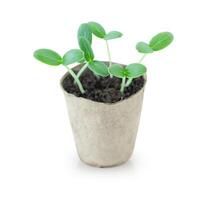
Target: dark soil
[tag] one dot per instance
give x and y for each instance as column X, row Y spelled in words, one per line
column 101, row 89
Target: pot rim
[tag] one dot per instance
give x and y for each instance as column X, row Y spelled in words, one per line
column 85, row 99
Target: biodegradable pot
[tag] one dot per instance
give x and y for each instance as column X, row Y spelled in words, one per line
column 104, row 133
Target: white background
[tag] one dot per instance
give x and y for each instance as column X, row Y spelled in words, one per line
column 38, row 159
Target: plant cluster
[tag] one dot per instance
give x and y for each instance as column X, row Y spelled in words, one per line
column 85, row 55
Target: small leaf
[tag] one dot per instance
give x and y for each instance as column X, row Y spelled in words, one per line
column 48, row 56
column 99, row 68
column 97, row 29
column 85, row 31
column 73, row 56
column 117, row 70
column 112, row 35
column 143, row 47
column 161, row 40
column 135, row 70
column 86, row 48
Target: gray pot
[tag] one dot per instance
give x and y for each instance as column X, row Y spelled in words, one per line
column 105, row 134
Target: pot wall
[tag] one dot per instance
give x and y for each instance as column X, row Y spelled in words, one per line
column 104, row 134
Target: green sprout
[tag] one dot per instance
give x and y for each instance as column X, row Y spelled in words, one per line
column 100, row 32
column 85, row 32
column 133, row 70
column 85, row 55
column 85, row 40
column 158, row 42
column 52, row 58
column 97, row 67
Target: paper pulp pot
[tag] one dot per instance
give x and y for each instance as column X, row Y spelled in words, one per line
column 105, row 134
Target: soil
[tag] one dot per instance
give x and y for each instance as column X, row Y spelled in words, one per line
column 101, row 89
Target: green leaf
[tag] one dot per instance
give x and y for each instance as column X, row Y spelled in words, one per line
column 85, row 46
column 99, row 68
column 85, row 31
column 73, row 56
column 130, row 71
column 135, row 70
column 112, row 35
column 161, row 40
column 117, row 70
column 97, row 29
column 143, row 47
column 48, row 56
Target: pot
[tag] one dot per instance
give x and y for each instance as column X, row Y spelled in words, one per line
column 104, row 133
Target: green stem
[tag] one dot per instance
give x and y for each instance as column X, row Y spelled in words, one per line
column 82, row 70
column 109, row 56
column 128, row 82
column 123, row 85
column 130, row 79
column 108, row 52
column 76, row 79
column 141, row 59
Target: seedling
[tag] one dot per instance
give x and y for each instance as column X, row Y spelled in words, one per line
column 97, row 67
column 158, row 42
column 100, row 32
column 85, row 32
column 85, row 55
column 134, row 70
column 85, row 40
column 52, row 58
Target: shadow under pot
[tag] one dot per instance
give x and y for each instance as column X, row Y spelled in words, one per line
column 104, row 133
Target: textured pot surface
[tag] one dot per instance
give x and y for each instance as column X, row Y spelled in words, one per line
column 104, row 134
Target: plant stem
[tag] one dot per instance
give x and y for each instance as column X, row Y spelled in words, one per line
column 109, row 56
column 76, row 79
column 128, row 82
column 108, row 52
column 141, row 59
column 123, row 85
column 130, row 79
column 82, row 70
